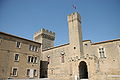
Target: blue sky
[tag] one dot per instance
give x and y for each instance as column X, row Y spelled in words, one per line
column 100, row 18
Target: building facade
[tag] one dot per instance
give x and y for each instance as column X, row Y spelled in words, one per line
column 83, row 59
column 19, row 57
column 75, row 60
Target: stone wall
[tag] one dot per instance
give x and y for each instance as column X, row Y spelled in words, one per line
column 8, row 50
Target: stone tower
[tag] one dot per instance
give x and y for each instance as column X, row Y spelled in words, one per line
column 45, row 37
column 75, row 34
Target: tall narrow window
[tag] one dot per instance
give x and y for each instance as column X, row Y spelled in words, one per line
column 48, row 59
column 35, row 48
column 32, row 59
column 14, row 71
column 35, row 73
column 62, row 58
column 28, row 72
column 30, row 47
column 18, row 44
column 16, row 57
column 35, row 59
column 29, row 58
column 101, row 52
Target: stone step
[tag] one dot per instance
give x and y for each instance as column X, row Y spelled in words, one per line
column 32, row 79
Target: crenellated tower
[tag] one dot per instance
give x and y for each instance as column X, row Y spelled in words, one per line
column 45, row 37
column 75, row 34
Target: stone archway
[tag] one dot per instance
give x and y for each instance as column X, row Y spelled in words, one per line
column 83, row 71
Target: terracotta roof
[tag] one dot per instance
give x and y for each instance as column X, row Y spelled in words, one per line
column 19, row 37
column 60, row 45
column 86, row 40
column 56, row 47
column 63, row 45
column 105, row 41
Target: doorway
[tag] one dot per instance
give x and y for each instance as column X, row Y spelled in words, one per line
column 83, row 72
column 44, row 69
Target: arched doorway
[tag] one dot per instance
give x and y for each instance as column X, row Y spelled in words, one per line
column 83, row 72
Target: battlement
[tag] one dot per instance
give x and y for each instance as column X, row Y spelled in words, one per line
column 44, row 33
column 74, row 16
column 45, row 37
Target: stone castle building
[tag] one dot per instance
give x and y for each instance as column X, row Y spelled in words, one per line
column 21, row 58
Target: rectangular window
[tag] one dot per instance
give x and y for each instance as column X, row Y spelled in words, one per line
column 101, row 52
column 33, row 48
column 30, row 46
column 37, row 49
column 62, row 58
column 29, row 58
column 16, row 57
column 35, row 73
column 32, row 59
column 35, row 59
column 28, row 72
column 14, row 71
column 18, row 44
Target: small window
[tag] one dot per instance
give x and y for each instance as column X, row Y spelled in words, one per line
column 33, row 48
column 30, row 46
column 35, row 73
column 101, row 52
column 62, row 58
column 29, row 58
column 14, row 71
column 17, row 57
column 32, row 59
column 28, row 72
column 35, row 59
column 36, row 48
column 48, row 59
column 18, row 44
